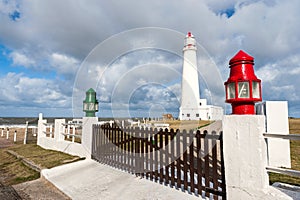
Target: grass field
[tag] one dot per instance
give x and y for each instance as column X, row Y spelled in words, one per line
column 13, row 171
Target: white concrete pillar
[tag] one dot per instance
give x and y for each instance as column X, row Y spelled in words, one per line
column 7, row 134
column 87, row 132
column 2, row 131
column 245, row 159
column 276, row 113
column 41, row 128
column 59, row 128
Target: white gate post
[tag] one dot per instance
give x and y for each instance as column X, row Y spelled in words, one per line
column 87, row 132
column 245, row 159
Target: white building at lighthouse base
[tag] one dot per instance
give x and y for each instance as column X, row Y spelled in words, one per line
column 202, row 112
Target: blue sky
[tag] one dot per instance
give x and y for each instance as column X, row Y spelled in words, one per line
column 51, row 51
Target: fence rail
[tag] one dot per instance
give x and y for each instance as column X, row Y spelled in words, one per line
column 283, row 136
column 191, row 161
column 289, row 172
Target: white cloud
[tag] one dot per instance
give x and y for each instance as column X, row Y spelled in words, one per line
column 21, row 59
column 20, row 90
column 64, row 64
column 268, row 73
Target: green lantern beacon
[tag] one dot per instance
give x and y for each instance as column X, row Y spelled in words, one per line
column 90, row 104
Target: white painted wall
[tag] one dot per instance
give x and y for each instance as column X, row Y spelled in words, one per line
column 206, row 112
column 68, row 147
column 58, row 143
column 276, row 113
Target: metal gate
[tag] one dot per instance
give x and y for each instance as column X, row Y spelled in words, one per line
column 191, row 161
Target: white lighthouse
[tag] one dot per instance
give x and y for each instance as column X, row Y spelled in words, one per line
column 192, row 107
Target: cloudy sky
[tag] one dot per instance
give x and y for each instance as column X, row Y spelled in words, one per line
column 52, row 51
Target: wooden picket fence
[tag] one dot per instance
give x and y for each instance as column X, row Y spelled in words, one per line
column 191, row 161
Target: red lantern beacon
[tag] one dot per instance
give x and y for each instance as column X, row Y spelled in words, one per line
column 243, row 88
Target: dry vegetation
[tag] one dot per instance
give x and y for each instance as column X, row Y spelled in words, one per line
column 187, row 125
column 13, row 171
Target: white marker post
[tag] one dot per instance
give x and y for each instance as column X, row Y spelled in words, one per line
column 7, row 134
column 15, row 136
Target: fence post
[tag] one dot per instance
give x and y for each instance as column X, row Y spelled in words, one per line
column 26, row 132
column 51, row 130
column 68, row 131
column 2, row 131
column 245, row 159
column 73, row 133
column 15, row 136
column 7, row 133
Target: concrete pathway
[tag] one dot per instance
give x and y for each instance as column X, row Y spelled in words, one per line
column 89, row 179
column 8, row 193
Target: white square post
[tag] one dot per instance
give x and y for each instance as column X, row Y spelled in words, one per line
column 87, row 133
column 59, row 129
column 276, row 113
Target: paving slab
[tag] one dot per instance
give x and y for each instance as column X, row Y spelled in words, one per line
column 89, row 179
column 39, row 189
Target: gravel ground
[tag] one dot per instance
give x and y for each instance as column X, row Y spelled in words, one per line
column 8, row 193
